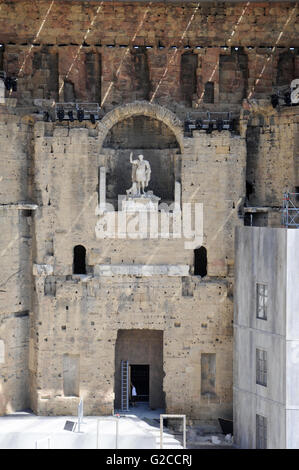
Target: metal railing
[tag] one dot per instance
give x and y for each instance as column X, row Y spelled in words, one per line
column 209, row 121
column 162, row 417
column 70, row 111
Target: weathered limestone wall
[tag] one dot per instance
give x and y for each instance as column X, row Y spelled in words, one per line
column 82, row 316
column 15, row 157
column 15, row 306
column 271, row 156
column 62, row 53
column 66, row 181
column 213, row 174
column 259, row 22
column 73, row 50
column 15, row 251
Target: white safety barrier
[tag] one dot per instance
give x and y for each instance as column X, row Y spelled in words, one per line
column 80, row 414
column 44, row 443
column 110, row 420
column 162, row 417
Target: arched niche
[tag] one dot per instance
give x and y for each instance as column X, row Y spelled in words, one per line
column 149, row 130
column 141, row 108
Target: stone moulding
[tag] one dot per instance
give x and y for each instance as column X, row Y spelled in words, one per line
column 141, row 270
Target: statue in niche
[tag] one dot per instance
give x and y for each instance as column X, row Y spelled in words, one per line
column 141, row 173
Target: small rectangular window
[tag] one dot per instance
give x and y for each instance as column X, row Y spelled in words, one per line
column 261, row 301
column 261, row 367
column 261, row 432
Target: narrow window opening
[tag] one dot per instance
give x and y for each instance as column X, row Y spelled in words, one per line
column 261, row 432
column 208, row 96
column 249, row 189
column 1, row 57
column 69, row 92
column 261, row 301
column 200, row 261
column 285, row 68
column 188, row 77
column 261, row 367
column 79, row 260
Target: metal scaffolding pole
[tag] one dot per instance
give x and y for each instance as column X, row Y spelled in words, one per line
column 290, row 210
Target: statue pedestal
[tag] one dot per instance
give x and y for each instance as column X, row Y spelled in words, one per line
column 145, row 203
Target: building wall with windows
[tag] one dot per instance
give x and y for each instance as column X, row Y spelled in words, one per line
column 266, row 365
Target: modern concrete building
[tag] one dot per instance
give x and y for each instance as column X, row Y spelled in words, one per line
column 266, row 338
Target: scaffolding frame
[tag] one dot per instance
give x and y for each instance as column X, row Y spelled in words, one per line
column 290, row 210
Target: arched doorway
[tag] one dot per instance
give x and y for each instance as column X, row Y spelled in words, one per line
column 79, row 264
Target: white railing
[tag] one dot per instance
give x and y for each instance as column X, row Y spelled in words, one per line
column 111, row 420
column 162, row 417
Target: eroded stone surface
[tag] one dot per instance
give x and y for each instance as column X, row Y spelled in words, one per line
column 50, row 189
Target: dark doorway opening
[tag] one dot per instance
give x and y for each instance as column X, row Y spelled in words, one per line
column 140, row 380
column 79, row 260
column 200, row 261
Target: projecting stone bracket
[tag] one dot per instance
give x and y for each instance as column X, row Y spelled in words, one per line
column 20, row 206
column 43, row 269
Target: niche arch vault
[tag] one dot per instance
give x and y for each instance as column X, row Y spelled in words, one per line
column 139, row 108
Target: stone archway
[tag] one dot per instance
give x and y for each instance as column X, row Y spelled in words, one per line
column 139, row 108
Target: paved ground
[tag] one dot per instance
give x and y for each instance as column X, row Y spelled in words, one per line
column 138, row 429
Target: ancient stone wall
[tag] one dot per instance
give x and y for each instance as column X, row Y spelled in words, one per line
column 69, row 323
column 15, row 276
column 271, row 145
column 70, row 310
column 117, row 53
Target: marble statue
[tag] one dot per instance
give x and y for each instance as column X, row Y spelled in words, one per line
column 141, row 173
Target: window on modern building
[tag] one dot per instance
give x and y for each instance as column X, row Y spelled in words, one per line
column 261, row 301
column 200, row 261
column 79, row 266
column 261, row 432
column 261, row 367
